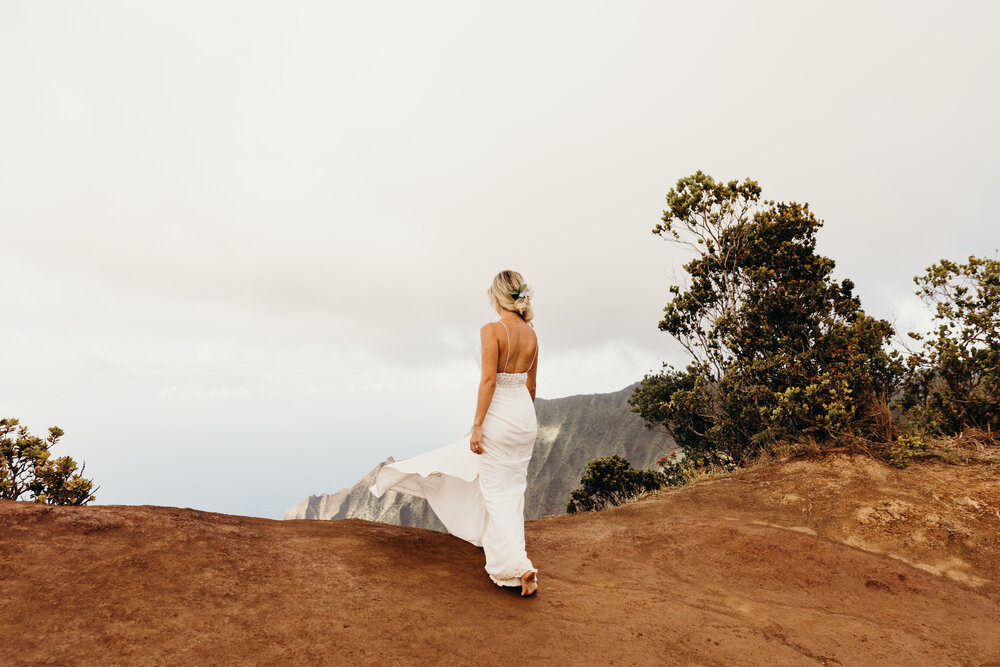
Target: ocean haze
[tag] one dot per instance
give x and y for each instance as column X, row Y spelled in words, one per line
column 244, row 247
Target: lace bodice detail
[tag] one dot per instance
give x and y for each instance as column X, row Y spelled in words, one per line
column 512, row 380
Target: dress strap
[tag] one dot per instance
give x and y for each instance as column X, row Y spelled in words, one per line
column 533, row 357
column 508, row 346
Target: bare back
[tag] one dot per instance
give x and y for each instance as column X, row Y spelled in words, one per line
column 517, row 347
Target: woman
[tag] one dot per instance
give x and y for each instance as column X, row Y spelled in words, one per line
column 476, row 485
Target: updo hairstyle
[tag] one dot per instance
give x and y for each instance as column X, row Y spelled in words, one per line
column 499, row 294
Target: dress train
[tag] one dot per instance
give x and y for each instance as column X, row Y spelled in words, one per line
column 480, row 498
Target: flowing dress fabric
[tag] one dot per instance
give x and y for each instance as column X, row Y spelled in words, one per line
column 480, row 498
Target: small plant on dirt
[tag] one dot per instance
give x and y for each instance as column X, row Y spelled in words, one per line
column 611, row 481
column 28, row 469
column 677, row 469
column 904, row 449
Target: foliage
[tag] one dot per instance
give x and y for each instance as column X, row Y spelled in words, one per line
column 953, row 382
column 778, row 348
column 27, row 468
column 904, row 449
column 610, row 481
column 677, row 470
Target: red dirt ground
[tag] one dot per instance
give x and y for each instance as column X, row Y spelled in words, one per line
column 833, row 561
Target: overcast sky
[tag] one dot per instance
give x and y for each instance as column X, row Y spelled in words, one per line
column 244, row 246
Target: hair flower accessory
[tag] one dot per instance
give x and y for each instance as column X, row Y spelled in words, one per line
column 522, row 292
column 522, row 297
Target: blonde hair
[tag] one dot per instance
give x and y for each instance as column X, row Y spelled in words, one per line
column 499, row 293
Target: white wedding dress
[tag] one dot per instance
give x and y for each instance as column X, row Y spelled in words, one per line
column 480, row 497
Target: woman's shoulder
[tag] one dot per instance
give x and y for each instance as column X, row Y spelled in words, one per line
column 498, row 327
column 491, row 330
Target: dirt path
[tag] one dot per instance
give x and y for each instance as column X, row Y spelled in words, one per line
column 730, row 571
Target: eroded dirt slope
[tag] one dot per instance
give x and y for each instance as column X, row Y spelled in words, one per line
column 796, row 563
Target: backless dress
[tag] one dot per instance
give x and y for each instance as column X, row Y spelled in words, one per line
column 480, row 497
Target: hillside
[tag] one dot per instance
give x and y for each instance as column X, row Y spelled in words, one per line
column 572, row 431
column 825, row 561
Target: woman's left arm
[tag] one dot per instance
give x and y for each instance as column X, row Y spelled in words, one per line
column 533, row 374
column 487, row 385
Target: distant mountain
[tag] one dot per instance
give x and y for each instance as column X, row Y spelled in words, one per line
column 357, row 502
column 572, row 431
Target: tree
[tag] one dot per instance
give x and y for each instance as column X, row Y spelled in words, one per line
column 27, row 468
column 778, row 348
column 709, row 218
column 953, row 382
column 610, row 481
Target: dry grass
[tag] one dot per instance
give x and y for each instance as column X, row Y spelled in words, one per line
column 969, row 447
column 972, row 445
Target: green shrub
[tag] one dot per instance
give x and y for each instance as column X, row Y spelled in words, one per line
column 953, row 381
column 904, row 449
column 28, row 469
column 610, row 481
column 676, row 470
column 778, row 349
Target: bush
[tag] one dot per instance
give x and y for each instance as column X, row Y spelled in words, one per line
column 610, row 481
column 28, row 469
column 905, row 448
column 779, row 350
column 953, row 381
column 677, row 470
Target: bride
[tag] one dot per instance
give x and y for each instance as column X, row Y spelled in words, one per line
column 476, row 485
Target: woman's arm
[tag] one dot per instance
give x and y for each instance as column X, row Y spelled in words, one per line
column 487, row 385
column 532, row 374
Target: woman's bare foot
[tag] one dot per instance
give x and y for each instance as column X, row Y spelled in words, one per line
column 529, row 586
